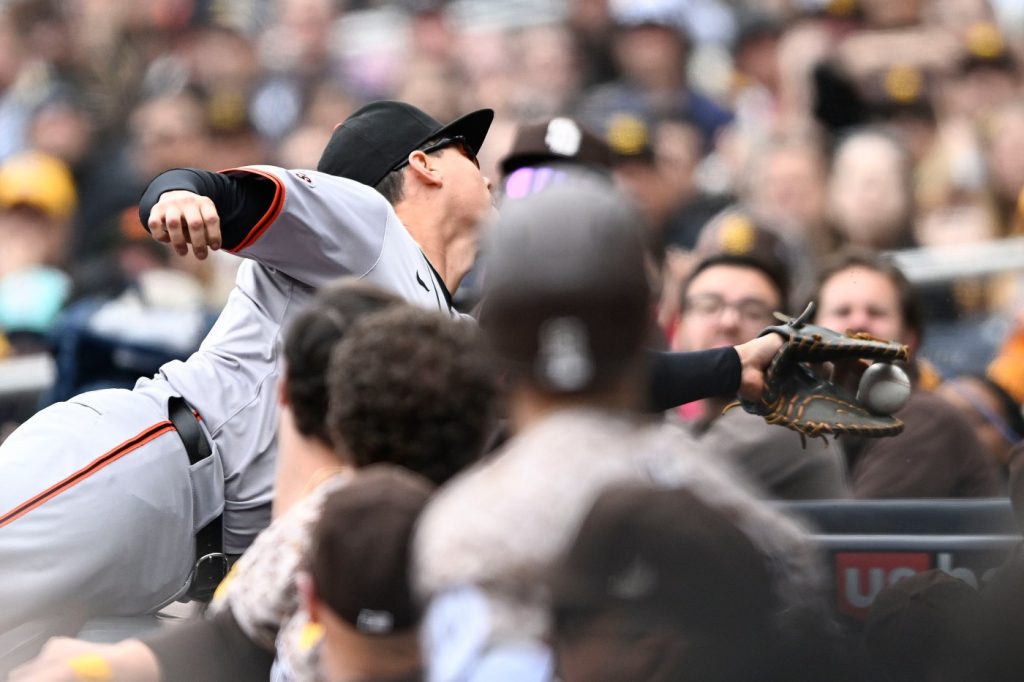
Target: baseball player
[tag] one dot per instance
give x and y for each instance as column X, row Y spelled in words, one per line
column 118, row 502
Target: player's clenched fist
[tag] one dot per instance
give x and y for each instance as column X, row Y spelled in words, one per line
column 181, row 218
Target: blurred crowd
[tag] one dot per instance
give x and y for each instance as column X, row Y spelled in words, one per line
column 882, row 125
column 866, row 155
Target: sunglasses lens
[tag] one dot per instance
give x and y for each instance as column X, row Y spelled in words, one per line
column 526, row 181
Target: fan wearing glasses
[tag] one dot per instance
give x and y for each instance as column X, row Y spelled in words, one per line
column 729, row 299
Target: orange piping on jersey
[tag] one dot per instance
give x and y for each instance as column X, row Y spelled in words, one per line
column 270, row 216
column 151, row 433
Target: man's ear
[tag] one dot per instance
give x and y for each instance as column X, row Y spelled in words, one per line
column 424, row 169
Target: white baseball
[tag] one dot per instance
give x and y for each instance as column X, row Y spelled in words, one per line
column 884, row 388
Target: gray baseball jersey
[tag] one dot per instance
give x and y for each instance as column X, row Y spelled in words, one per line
column 98, row 503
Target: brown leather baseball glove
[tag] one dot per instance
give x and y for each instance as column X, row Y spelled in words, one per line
column 803, row 399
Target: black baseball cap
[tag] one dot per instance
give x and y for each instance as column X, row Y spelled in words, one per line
column 360, row 552
column 367, row 145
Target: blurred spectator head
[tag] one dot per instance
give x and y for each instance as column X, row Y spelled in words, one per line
column 37, row 199
column 988, row 75
column 861, row 291
column 220, row 57
column 432, row 30
column 299, row 40
column 302, row 147
column 994, row 414
column 413, row 388
column 954, row 204
column 870, row 200
column 1004, row 146
column 740, row 279
column 651, row 43
column 357, row 583
column 328, row 104
column 636, row 170
column 38, row 182
column 658, row 585
column 901, row 99
column 678, row 151
column 311, row 338
column 924, row 629
column 755, row 50
column 785, row 183
column 884, row 14
column 577, row 325
column 234, row 140
column 548, row 72
column 63, row 127
column 13, row 53
column 433, row 87
column 169, row 131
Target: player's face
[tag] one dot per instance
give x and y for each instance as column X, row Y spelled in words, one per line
column 726, row 305
column 860, row 299
column 472, row 187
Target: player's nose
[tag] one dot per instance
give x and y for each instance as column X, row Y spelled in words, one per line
column 856, row 323
column 729, row 318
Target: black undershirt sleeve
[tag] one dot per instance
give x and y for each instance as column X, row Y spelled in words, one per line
column 209, row 650
column 678, row 378
column 241, row 200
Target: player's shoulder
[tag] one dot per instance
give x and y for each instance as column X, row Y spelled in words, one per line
column 308, row 180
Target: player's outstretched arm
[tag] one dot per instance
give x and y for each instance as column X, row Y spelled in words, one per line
column 206, row 210
column 754, row 358
column 678, row 378
column 181, row 217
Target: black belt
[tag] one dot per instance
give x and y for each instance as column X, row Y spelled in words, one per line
column 211, row 563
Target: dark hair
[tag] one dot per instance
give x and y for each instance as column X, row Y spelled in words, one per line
column 777, row 275
column 910, row 305
column 412, row 388
column 310, row 340
column 392, row 186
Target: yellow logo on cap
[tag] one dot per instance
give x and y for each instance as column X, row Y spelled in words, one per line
column 841, row 8
column 627, row 134
column 91, row 668
column 737, row 235
column 903, row 83
column 985, row 41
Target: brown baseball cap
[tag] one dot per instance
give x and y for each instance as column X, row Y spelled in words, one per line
column 566, row 298
column 665, row 555
column 360, row 553
column 924, row 620
column 377, row 137
column 736, row 236
column 559, row 139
